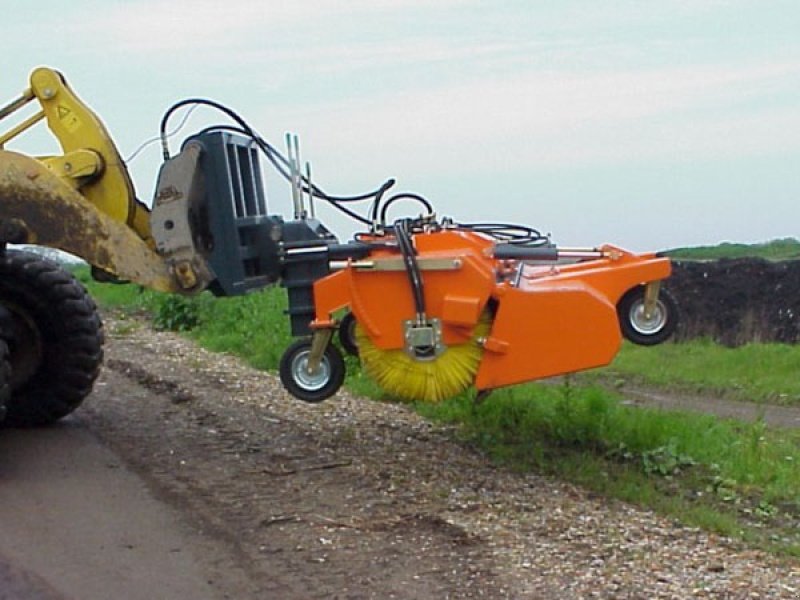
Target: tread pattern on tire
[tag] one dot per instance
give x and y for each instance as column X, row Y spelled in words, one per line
column 72, row 331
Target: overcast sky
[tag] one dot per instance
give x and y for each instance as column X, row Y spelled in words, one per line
column 647, row 124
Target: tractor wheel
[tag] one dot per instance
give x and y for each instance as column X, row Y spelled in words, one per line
column 311, row 387
column 347, row 334
column 54, row 337
column 5, row 378
column 637, row 327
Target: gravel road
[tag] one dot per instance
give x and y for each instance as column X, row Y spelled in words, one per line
column 189, row 469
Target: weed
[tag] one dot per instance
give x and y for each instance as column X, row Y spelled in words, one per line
column 177, row 313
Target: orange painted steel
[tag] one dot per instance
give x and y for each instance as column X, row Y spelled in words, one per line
column 548, row 318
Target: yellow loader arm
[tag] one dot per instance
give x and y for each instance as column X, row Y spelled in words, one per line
column 38, row 208
column 82, row 201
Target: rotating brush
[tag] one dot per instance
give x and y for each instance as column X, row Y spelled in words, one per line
column 428, row 380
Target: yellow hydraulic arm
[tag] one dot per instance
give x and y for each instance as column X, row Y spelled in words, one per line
column 82, row 201
column 91, row 162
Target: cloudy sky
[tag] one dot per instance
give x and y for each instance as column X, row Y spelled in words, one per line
column 650, row 124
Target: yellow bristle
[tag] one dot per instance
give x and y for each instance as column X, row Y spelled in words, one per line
column 424, row 380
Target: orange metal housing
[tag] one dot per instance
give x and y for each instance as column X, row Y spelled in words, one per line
column 547, row 319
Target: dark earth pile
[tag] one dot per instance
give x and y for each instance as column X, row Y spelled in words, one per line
column 736, row 301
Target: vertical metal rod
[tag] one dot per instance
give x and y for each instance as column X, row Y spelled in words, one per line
column 310, row 190
column 651, row 291
column 319, row 342
column 293, row 176
column 518, row 274
column 298, row 177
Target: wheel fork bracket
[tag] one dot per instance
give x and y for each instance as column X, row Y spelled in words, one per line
column 319, row 341
column 651, row 291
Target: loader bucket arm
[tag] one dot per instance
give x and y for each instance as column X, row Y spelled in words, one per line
column 38, row 207
column 90, row 161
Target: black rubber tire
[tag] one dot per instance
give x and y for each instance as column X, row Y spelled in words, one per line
column 56, row 341
column 311, row 391
column 647, row 334
column 5, row 379
column 347, row 334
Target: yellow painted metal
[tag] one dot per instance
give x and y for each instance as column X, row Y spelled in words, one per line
column 75, row 166
column 25, row 125
column 56, row 215
column 77, row 128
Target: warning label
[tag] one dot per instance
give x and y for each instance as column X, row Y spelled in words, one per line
column 68, row 118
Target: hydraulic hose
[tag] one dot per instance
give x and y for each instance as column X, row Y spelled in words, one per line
column 412, row 267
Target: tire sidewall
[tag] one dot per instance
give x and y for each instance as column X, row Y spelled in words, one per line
column 69, row 330
column 630, row 333
column 335, row 363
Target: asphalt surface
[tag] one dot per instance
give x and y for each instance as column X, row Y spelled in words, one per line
column 76, row 523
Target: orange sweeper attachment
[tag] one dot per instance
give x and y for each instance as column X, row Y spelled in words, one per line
column 433, row 308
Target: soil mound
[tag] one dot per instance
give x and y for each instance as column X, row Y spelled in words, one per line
column 736, row 301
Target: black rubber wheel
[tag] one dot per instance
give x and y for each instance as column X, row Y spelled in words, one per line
column 306, row 386
column 5, row 379
column 347, row 334
column 639, row 329
column 55, row 339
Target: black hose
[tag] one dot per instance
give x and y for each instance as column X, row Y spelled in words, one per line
column 508, row 233
column 412, row 267
column 405, row 196
column 521, row 235
column 279, row 161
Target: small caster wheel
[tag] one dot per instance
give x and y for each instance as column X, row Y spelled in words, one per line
column 641, row 329
column 347, row 334
column 311, row 387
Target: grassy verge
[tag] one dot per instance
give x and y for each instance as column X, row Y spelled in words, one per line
column 736, row 479
column 755, row 372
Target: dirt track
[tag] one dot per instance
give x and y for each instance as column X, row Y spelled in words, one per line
column 188, row 475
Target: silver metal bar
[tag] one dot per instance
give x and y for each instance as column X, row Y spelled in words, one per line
column 14, row 105
column 310, row 190
column 577, row 249
column 518, row 274
column 581, row 254
column 397, row 264
column 298, row 181
column 307, row 250
column 293, row 176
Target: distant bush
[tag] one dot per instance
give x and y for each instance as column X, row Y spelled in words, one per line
column 782, row 249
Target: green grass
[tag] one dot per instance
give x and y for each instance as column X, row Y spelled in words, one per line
column 754, row 372
column 734, row 478
column 783, row 249
column 737, row 479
